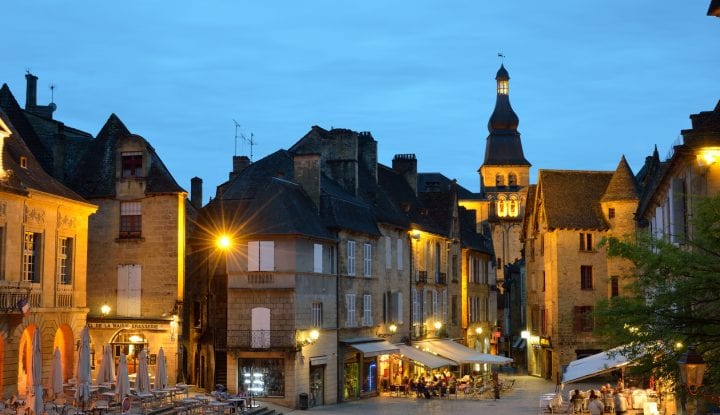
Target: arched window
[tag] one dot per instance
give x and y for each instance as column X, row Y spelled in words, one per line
column 502, row 207
column 499, row 180
column 512, row 179
column 513, row 207
column 260, row 324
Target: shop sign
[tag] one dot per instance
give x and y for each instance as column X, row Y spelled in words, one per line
column 497, row 334
column 124, row 325
column 545, row 341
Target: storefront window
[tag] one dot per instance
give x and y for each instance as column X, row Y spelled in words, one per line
column 352, row 373
column 262, row 377
column 369, row 375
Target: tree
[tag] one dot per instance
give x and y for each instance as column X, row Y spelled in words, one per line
column 671, row 300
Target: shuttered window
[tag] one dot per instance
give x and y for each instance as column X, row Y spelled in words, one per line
column 261, row 256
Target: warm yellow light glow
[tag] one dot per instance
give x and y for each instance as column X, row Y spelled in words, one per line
column 314, row 335
column 478, row 330
column 678, row 345
column 105, row 309
column 415, row 234
column 392, row 328
column 438, row 325
column 136, row 339
column 708, row 155
column 223, row 242
column 503, row 87
column 525, row 334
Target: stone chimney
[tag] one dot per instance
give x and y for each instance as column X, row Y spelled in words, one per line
column 31, row 91
column 367, row 149
column 307, row 175
column 406, row 165
column 196, row 192
column 240, row 163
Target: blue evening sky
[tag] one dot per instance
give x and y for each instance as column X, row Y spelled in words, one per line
column 590, row 80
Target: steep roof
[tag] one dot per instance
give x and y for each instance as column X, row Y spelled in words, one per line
column 433, row 182
column 96, row 176
column 469, row 237
column 623, row 185
column 32, row 177
column 572, row 198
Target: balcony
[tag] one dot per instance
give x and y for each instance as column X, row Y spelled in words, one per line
column 422, row 277
column 64, row 296
column 12, row 293
column 251, row 340
column 441, row 278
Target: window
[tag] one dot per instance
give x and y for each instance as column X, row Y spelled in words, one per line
column 197, row 314
column 437, row 263
column 435, row 308
column 261, row 256
column 454, row 268
column 400, row 254
column 586, row 277
column 23, row 162
column 416, row 305
column 512, row 179
column 130, row 219
column 32, row 249
column 350, row 310
column 499, row 180
column 542, row 244
column 543, row 281
column 397, row 307
column 586, row 242
column 543, row 320
column 317, row 258
column 131, row 164
column 614, row 286
column 367, row 310
column 388, row 252
column 502, row 207
column 262, row 377
column 317, row 314
column 65, row 260
column 129, row 290
column 583, row 318
column 350, row 257
column 611, row 213
column 453, row 310
column 513, row 207
column 367, row 260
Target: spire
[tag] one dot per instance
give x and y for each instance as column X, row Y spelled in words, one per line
column 503, row 144
column 622, row 185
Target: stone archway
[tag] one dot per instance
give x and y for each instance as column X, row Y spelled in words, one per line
column 65, row 342
column 24, row 356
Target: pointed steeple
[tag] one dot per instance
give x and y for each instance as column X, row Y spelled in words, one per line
column 622, row 185
column 503, row 144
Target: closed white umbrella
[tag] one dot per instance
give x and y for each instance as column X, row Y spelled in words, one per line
column 56, row 376
column 35, row 401
column 122, row 382
column 142, row 381
column 106, row 373
column 160, row 370
column 83, row 375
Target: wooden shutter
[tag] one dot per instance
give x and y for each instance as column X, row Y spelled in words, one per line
column 267, row 256
column 253, row 256
column 317, row 258
column 122, row 290
column 134, row 290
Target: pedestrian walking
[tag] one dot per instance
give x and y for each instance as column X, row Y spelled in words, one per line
column 595, row 406
column 620, row 402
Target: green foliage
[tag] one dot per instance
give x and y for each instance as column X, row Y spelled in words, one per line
column 672, row 297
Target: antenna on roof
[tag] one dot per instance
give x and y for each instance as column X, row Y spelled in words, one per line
column 251, row 141
column 237, row 125
column 502, row 57
column 52, row 93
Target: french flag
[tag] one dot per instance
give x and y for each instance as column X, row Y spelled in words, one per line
column 24, row 306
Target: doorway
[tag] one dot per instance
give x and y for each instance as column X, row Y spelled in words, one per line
column 317, row 385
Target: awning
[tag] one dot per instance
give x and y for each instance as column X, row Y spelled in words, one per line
column 424, row 358
column 461, row 354
column 375, row 348
column 519, row 343
column 595, row 365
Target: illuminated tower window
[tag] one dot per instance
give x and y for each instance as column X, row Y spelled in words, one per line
column 503, row 86
column 513, row 206
column 502, row 207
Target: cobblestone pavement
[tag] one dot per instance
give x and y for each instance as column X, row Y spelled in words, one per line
column 523, row 399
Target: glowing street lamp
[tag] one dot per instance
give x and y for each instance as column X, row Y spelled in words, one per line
column 105, row 310
column 223, row 242
column 692, row 369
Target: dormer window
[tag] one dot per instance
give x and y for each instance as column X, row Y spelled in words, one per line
column 132, row 164
column 23, row 162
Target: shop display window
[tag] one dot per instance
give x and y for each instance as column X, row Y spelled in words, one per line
column 262, row 377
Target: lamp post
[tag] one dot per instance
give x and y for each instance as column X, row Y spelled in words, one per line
column 692, row 369
column 105, row 310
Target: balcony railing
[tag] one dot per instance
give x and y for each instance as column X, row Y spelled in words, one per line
column 12, row 295
column 64, row 296
column 422, row 277
column 255, row 340
column 441, row 278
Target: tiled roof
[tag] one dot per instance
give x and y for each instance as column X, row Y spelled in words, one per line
column 433, row 182
column 32, row 177
column 469, row 238
column 622, row 186
column 571, row 198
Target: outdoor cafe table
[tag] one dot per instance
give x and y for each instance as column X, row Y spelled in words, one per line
column 218, row 406
column 172, row 392
column 185, row 388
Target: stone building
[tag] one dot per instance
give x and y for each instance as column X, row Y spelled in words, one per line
column 136, row 253
column 500, row 203
column 43, row 251
column 567, row 272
